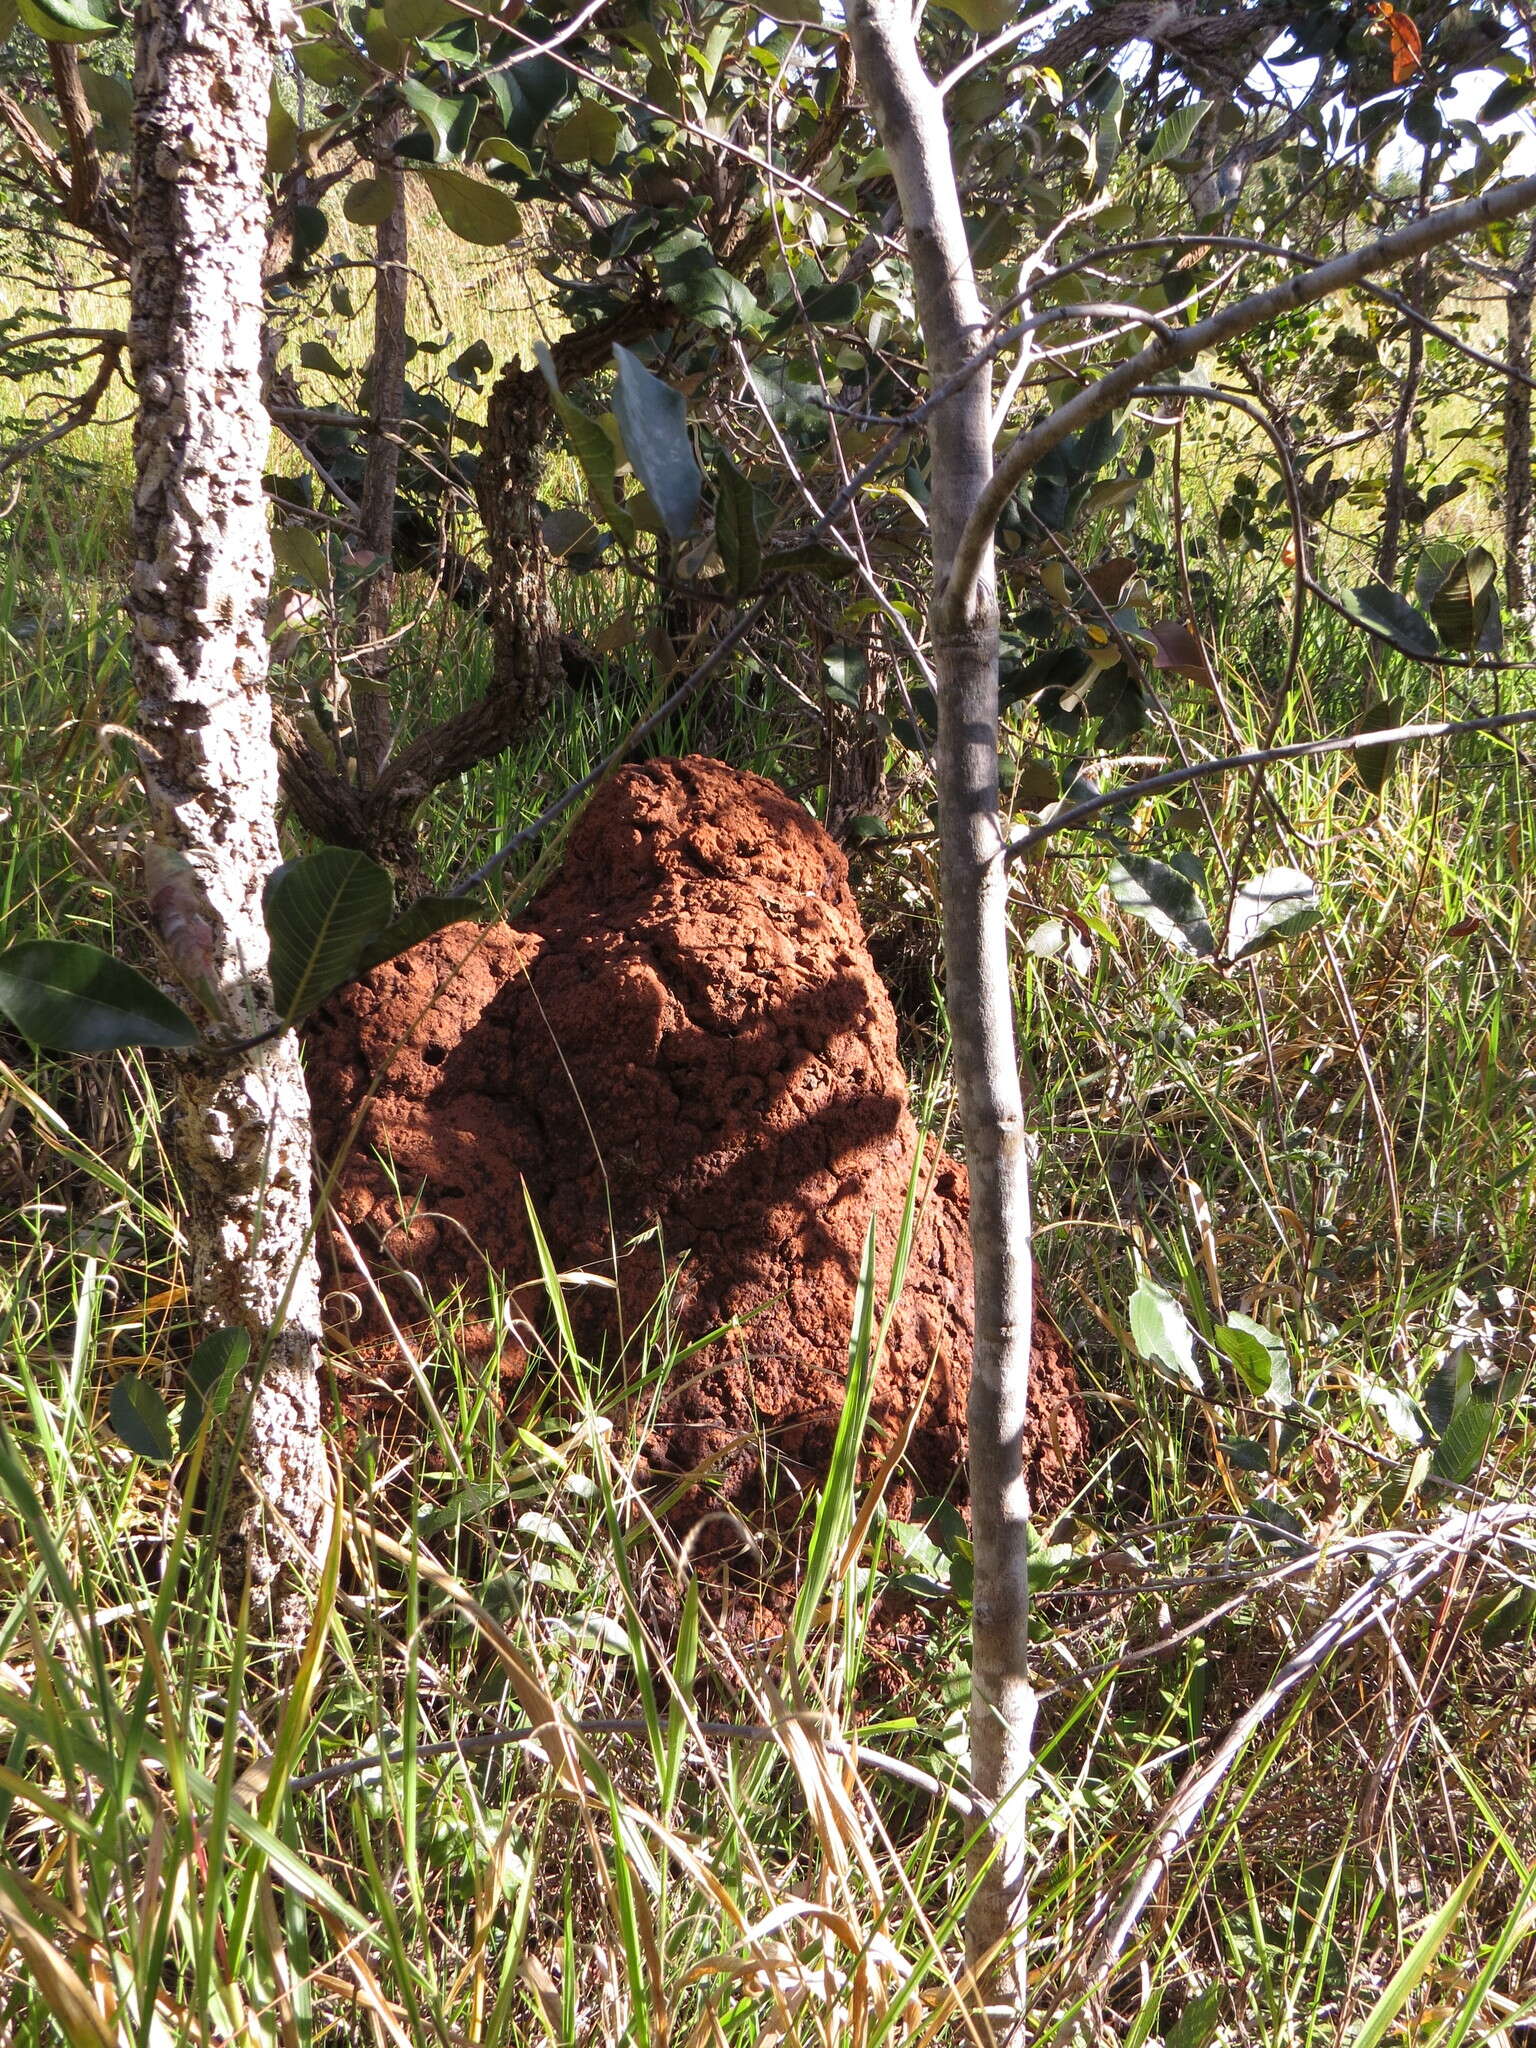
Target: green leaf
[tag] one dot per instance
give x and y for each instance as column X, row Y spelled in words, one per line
column 1166, row 900
column 302, row 553
column 1463, row 1443
column 1258, row 1357
column 812, row 558
column 588, row 136
column 211, row 1374
column 310, row 229
column 418, row 921
column 1161, row 1332
column 140, row 1417
column 716, row 300
column 67, row 997
column 696, row 284
column 326, row 63
column 592, row 448
column 473, row 210
column 1382, row 611
column 653, row 423
column 370, row 202
column 314, row 355
column 1459, row 589
column 1173, row 138
column 1247, row 1453
column 987, row 17
column 1196, row 2024
column 437, row 115
column 1450, row 1387
column 832, row 305
column 1374, row 764
column 322, row 912
column 282, row 137
column 736, row 532
column 1401, row 1415
column 410, row 20
column 1507, row 98
column 1272, row 906
column 1420, row 1959
column 381, row 42
column 70, row 21
column 110, row 99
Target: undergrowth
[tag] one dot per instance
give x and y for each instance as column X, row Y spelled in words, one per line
column 536, row 1777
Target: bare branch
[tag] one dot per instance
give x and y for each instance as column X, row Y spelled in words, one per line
column 1429, row 231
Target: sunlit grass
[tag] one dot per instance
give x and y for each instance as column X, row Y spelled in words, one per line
column 1336, row 1140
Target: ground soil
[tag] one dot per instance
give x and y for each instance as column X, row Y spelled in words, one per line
column 684, row 1054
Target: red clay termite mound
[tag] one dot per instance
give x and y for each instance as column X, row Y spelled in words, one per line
column 684, row 1051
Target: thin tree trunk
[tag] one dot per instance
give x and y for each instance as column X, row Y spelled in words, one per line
column 1519, row 570
column 371, row 711
column 1390, row 547
column 856, row 744
column 202, row 565
column 973, row 881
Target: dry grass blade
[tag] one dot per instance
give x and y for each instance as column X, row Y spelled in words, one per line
column 1411, row 1562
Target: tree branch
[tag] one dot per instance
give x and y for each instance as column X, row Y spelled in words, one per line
column 1030, row 447
column 1260, row 757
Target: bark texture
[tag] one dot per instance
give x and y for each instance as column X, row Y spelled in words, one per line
column 973, row 883
column 371, row 660
column 1519, row 570
column 199, row 589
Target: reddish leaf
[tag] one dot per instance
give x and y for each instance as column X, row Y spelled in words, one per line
column 1108, row 579
column 1177, row 649
column 1404, row 40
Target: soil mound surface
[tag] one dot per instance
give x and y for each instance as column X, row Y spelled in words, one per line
column 684, row 1052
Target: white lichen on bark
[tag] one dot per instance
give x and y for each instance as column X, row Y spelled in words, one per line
column 203, row 71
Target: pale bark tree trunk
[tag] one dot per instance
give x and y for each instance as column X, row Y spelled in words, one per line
column 1519, row 569
column 203, row 70
column 974, row 885
column 376, row 506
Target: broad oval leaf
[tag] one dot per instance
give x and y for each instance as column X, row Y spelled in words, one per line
column 412, row 19
column 302, row 553
column 653, row 423
column 473, row 210
column 1462, row 597
column 1166, row 900
column 1450, row 1387
column 370, row 202
column 211, row 1374
column 1161, row 1332
column 67, row 997
column 1258, row 1357
column 140, row 1417
column 418, row 921
column 1383, row 612
column 1173, row 138
column 314, row 355
column 1464, row 1443
column 736, row 530
column 987, row 17
column 441, row 117
column 588, row 136
column 322, row 912
column 70, row 21
column 1272, row 906
column 1374, row 764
